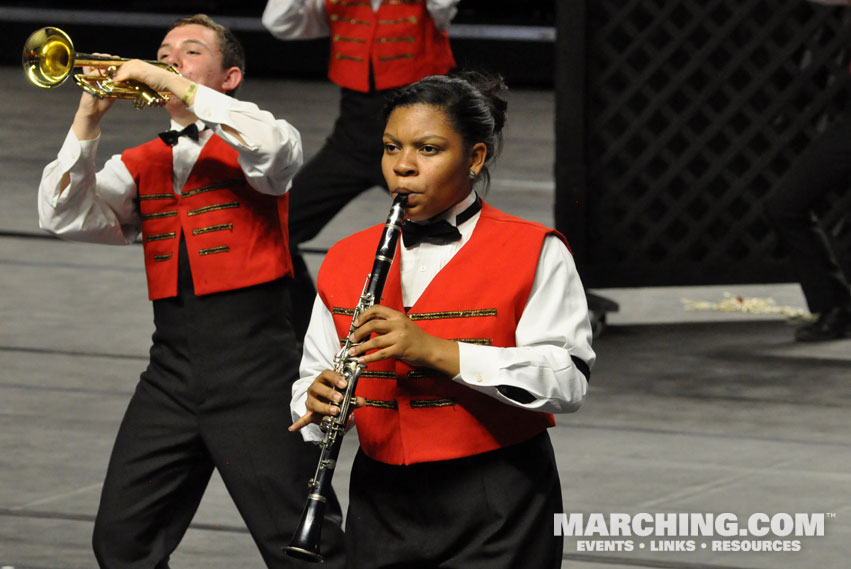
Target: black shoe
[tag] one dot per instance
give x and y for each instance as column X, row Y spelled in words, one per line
column 831, row 325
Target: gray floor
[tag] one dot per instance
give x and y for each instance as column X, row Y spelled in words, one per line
column 696, row 412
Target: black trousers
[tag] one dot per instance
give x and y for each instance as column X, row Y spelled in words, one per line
column 824, row 166
column 347, row 165
column 215, row 395
column 489, row 511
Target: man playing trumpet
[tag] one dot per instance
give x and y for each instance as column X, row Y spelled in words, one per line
column 209, row 199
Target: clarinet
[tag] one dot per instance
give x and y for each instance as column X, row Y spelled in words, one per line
column 305, row 541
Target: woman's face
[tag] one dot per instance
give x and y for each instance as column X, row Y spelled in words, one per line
column 425, row 157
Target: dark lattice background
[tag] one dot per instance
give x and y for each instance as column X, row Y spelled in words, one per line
column 675, row 120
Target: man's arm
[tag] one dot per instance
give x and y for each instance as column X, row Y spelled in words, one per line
column 296, row 19
column 442, row 12
column 270, row 151
column 77, row 203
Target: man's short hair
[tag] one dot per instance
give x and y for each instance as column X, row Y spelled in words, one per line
column 233, row 54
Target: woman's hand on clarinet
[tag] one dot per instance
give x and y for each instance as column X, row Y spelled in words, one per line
column 320, row 396
column 394, row 335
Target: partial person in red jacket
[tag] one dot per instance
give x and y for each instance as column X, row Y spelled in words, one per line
column 209, row 200
column 481, row 335
column 376, row 46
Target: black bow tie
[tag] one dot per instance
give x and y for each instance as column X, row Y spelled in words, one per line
column 413, row 233
column 170, row 136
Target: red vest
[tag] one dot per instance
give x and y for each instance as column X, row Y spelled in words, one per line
column 416, row 414
column 399, row 41
column 235, row 236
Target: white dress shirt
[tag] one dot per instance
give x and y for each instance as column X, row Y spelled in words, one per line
column 554, row 326
column 99, row 206
column 306, row 19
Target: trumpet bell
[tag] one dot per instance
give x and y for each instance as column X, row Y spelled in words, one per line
column 48, row 57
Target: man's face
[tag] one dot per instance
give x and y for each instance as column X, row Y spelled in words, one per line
column 194, row 51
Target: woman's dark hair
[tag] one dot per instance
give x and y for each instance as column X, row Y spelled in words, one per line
column 473, row 101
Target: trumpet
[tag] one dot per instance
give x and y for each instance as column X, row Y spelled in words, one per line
column 49, row 57
column 305, row 540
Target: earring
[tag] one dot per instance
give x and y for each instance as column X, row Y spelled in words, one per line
column 472, row 175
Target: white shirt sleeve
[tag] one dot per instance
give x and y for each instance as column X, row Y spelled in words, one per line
column 307, row 19
column 271, row 153
column 321, row 344
column 94, row 207
column 296, row 19
column 553, row 329
column 442, row 12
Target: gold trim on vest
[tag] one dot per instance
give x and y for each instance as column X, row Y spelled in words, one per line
column 158, row 215
column 161, row 236
column 211, row 187
column 420, row 374
column 408, row 39
column 340, row 311
column 338, row 37
column 477, row 341
column 411, row 19
column 212, row 250
column 210, row 228
column 378, row 374
column 162, row 257
column 453, row 314
column 209, row 208
column 425, row 403
column 395, row 57
column 339, row 18
column 382, row 404
column 144, row 197
column 349, row 57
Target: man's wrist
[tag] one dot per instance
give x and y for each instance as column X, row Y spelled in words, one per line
column 188, row 96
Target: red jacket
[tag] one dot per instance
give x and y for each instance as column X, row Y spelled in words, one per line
column 235, row 236
column 399, row 42
column 418, row 415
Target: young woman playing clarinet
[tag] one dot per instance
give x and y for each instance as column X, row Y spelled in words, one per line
column 481, row 335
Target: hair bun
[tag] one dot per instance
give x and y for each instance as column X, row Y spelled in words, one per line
column 493, row 89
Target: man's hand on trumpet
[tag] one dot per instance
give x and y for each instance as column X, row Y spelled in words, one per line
column 91, row 109
column 159, row 79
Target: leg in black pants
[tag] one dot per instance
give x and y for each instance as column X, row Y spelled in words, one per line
column 216, row 394
column 824, row 166
column 347, row 165
column 157, row 475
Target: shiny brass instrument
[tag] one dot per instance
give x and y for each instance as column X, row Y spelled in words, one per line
column 305, row 541
column 49, row 58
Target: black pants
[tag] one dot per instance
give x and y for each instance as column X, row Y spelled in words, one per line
column 347, row 165
column 489, row 511
column 215, row 395
column 824, row 166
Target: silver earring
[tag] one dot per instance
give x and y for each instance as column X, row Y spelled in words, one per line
column 472, row 174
